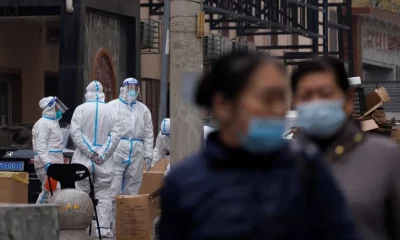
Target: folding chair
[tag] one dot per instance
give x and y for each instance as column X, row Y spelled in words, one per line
column 67, row 175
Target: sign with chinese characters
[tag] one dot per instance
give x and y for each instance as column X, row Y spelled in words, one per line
column 373, row 39
column 69, row 207
column 380, row 42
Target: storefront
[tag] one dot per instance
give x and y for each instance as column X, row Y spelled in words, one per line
column 377, row 53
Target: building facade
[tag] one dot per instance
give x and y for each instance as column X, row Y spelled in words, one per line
column 377, row 39
column 377, row 53
column 46, row 49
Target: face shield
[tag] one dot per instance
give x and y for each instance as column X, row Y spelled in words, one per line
column 58, row 104
column 132, row 88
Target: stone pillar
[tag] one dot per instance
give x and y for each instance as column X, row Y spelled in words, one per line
column 29, row 221
column 186, row 56
column 76, row 212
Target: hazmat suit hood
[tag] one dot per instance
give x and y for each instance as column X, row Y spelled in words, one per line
column 207, row 131
column 48, row 112
column 165, row 127
column 94, row 92
column 124, row 95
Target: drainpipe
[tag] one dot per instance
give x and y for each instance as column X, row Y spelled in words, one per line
column 164, row 64
column 69, row 7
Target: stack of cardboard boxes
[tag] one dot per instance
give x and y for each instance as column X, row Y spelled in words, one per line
column 374, row 119
column 135, row 214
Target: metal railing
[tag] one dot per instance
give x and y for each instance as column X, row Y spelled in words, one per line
column 149, row 36
column 212, row 48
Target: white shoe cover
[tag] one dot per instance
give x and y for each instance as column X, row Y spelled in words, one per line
column 105, row 232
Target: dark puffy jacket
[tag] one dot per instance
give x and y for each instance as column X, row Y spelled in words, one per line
column 225, row 193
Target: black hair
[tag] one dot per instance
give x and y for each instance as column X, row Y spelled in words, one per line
column 229, row 75
column 321, row 64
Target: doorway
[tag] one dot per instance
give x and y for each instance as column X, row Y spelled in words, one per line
column 50, row 84
column 152, row 100
column 5, row 103
column 10, row 96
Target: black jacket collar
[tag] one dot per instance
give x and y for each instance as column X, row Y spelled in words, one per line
column 219, row 155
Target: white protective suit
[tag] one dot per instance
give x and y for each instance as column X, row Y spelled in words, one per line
column 47, row 142
column 136, row 143
column 207, row 131
column 96, row 129
column 162, row 142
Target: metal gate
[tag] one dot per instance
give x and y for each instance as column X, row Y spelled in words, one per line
column 152, row 100
column 393, row 89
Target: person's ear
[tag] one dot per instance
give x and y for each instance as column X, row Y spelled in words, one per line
column 349, row 104
column 222, row 108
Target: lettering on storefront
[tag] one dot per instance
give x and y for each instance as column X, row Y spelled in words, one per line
column 382, row 42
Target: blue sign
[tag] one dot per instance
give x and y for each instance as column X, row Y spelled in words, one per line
column 13, row 166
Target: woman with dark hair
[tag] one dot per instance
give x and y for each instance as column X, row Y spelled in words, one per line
column 366, row 166
column 248, row 183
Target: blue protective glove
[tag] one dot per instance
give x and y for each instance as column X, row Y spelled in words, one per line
column 148, row 162
column 46, row 166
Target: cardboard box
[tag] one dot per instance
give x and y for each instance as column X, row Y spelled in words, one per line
column 375, row 99
column 152, row 181
column 379, row 115
column 395, row 135
column 14, row 187
column 161, row 166
column 136, row 214
column 368, row 125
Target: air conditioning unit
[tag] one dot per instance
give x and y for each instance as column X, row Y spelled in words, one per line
column 147, row 33
column 212, row 47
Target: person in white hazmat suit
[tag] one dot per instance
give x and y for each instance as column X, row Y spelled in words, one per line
column 136, row 146
column 47, row 141
column 163, row 144
column 96, row 130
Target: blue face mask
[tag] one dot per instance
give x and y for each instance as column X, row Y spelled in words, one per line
column 59, row 115
column 265, row 135
column 321, row 118
column 132, row 93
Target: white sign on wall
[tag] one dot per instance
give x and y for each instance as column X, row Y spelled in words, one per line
column 380, row 42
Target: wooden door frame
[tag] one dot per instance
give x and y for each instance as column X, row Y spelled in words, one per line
column 95, row 62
